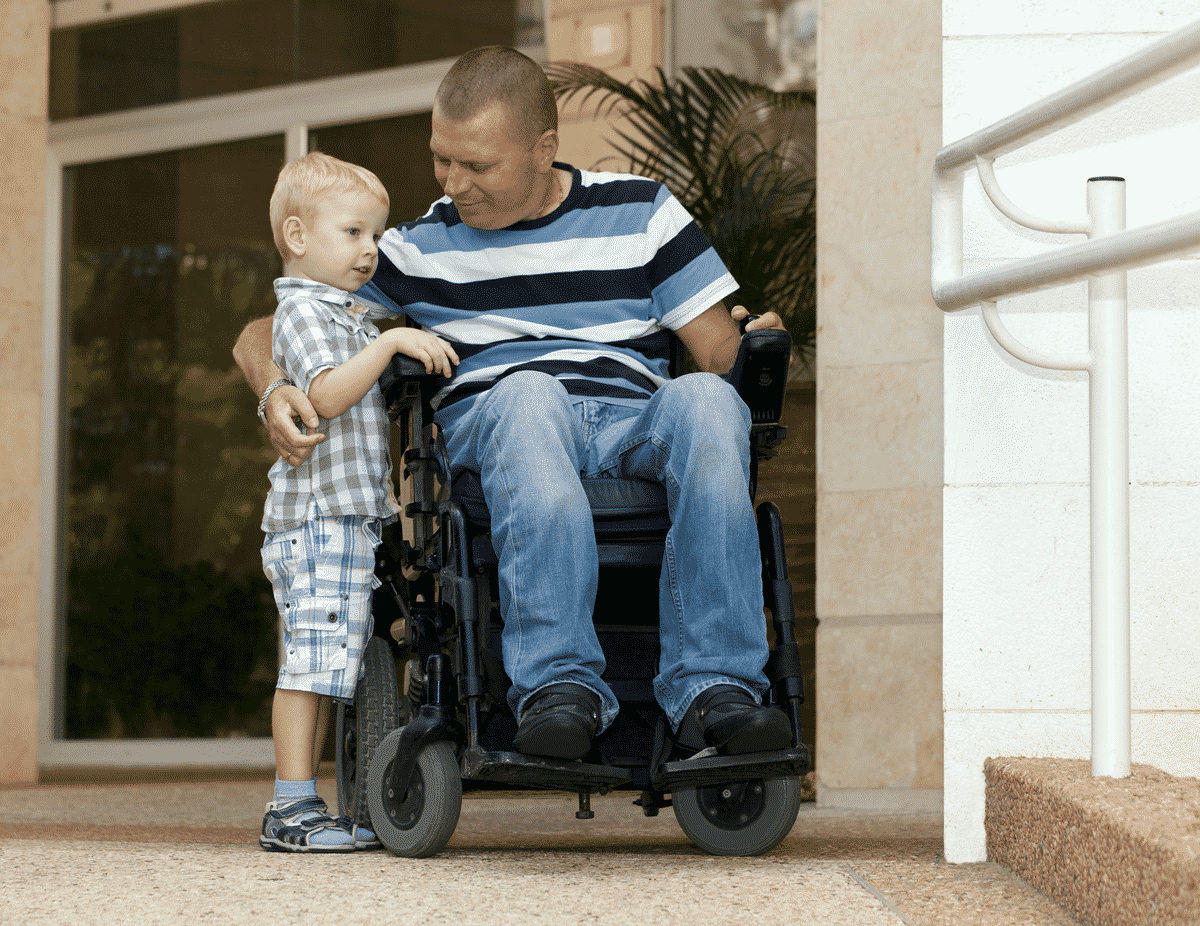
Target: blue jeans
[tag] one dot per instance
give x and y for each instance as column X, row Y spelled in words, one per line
column 530, row 441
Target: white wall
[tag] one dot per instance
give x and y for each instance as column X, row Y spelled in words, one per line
column 1016, row 637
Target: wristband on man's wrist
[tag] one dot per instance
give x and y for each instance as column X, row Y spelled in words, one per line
column 262, row 403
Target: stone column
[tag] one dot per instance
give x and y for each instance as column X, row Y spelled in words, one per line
column 879, row 408
column 24, row 57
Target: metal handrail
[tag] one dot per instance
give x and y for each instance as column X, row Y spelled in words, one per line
column 1102, row 260
column 1153, row 64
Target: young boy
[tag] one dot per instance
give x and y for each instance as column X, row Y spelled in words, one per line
column 323, row 518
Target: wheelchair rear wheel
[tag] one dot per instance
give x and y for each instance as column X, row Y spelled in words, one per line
column 419, row 822
column 738, row 818
column 376, row 711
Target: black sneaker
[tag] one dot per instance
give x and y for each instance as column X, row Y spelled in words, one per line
column 559, row 722
column 730, row 720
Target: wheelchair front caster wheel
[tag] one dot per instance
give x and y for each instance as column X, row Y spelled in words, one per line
column 738, row 818
column 362, row 726
column 419, row 822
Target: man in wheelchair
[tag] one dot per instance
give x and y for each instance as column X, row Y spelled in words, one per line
column 560, row 290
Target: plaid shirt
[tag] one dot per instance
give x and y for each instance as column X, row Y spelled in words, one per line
column 349, row 473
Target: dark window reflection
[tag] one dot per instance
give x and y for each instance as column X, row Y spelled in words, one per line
column 238, row 45
column 171, row 628
column 397, row 150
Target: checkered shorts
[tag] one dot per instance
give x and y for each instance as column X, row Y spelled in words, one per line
column 323, row 573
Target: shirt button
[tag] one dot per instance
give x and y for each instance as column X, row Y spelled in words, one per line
column 345, row 597
column 333, row 618
column 343, row 646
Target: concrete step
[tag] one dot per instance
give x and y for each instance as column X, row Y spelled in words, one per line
column 1113, row 851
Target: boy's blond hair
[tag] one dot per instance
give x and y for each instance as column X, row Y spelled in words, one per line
column 305, row 180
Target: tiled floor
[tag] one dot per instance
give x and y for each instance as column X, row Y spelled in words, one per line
column 185, row 853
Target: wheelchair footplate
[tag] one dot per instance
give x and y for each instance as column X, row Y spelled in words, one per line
column 703, row 770
column 479, row 764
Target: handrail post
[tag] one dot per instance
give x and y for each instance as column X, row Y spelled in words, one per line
column 1108, row 329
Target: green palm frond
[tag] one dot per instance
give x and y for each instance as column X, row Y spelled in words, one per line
column 727, row 149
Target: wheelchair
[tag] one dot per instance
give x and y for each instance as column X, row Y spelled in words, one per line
column 413, row 738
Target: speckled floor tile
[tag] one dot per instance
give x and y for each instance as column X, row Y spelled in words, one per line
column 187, row 853
column 931, row 893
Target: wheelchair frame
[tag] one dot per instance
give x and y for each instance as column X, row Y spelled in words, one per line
column 408, row 770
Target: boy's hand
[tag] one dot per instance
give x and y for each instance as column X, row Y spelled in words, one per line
column 434, row 352
column 284, row 406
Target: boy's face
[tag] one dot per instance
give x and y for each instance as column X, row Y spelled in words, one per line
column 492, row 177
column 341, row 233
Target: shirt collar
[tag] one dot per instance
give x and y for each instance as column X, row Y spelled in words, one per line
column 286, row 287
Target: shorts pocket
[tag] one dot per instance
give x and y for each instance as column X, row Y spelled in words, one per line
column 373, row 531
column 316, row 636
column 280, row 556
column 280, row 562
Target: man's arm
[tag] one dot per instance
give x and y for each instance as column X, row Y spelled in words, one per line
column 252, row 353
column 712, row 338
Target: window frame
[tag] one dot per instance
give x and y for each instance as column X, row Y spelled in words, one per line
column 290, row 110
column 66, row 14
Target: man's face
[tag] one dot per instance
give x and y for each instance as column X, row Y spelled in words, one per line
column 493, row 178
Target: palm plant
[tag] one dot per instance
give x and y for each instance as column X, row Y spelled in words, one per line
column 728, row 149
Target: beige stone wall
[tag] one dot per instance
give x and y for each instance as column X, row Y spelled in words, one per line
column 879, row 407
column 24, row 38
column 622, row 38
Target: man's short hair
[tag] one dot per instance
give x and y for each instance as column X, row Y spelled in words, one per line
column 306, row 180
column 499, row 74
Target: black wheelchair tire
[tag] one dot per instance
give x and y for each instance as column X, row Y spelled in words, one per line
column 742, row 818
column 361, row 728
column 420, row 822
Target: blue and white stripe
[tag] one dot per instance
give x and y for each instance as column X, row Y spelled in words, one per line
column 586, row 293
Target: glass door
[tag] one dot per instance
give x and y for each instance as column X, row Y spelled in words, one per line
column 396, row 150
column 158, row 632
column 170, row 625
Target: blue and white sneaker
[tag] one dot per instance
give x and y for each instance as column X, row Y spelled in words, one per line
column 292, row 826
column 364, row 839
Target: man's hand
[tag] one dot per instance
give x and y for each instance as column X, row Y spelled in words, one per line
column 713, row 337
column 766, row 320
column 252, row 353
column 284, row 406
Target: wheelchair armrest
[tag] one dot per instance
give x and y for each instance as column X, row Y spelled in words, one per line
column 404, row 381
column 759, row 373
column 407, row 367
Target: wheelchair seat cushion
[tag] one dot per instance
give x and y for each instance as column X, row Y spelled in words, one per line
column 617, row 504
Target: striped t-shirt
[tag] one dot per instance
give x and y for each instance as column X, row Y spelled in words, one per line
column 586, row 293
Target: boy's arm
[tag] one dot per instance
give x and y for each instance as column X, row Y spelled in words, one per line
column 252, row 353
column 336, row 389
